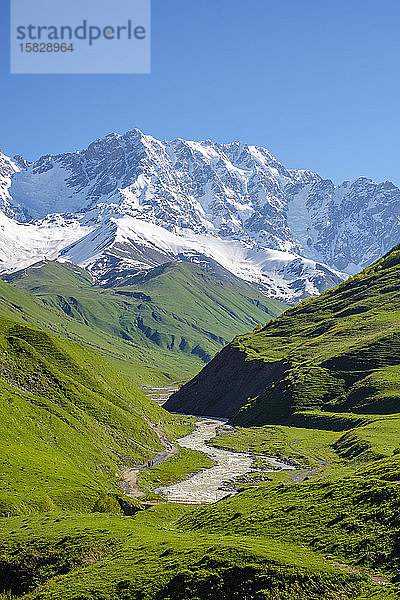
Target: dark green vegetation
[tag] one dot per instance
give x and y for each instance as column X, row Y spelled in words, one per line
column 336, row 353
column 161, row 326
column 151, row 557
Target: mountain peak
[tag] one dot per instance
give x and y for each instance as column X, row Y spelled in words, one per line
column 141, row 202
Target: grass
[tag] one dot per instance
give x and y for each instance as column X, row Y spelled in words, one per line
column 139, row 326
column 68, row 423
column 179, row 467
column 109, row 557
column 336, row 353
column 365, row 438
column 304, row 445
column 354, row 520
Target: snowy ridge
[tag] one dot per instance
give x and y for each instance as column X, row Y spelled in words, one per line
column 134, row 243
column 140, row 202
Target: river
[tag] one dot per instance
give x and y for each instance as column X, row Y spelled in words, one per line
column 205, row 485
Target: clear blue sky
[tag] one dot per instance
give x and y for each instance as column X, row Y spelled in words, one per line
column 317, row 82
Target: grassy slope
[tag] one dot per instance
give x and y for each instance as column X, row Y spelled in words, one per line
column 149, row 557
column 158, row 327
column 68, row 422
column 343, row 348
column 355, row 521
column 275, row 541
column 338, row 352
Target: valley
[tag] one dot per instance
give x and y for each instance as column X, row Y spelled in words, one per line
column 200, row 300
column 208, row 485
column 232, row 298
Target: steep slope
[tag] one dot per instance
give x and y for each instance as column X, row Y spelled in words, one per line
column 233, row 191
column 68, row 423
column 171, row 319
column 197, row 185
column 23, row 243
column 7, row 170
column 131, row 202
column 338, row 352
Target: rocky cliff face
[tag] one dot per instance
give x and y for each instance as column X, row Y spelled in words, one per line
column 7, row 169
column 348, row 226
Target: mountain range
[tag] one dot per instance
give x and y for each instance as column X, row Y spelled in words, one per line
column 129, row 203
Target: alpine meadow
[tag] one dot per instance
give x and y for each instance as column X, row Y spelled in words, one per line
column 110, row 492
column 199, row 300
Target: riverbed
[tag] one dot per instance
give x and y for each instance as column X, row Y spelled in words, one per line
column 205, row 486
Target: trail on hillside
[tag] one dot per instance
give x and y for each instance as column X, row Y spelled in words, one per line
column 306, row 473
column 130, row 475
column 377, row 579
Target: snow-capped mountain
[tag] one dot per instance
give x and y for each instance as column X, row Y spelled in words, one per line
column 132, row 202
column 122, row 246
column 23, row 244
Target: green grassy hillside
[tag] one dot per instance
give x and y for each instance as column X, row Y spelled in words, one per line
column 68, row 423
column 152, row 557
column 159, row 326
column 322, row 374
column 354, row 520
column 338, row 352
